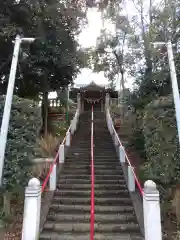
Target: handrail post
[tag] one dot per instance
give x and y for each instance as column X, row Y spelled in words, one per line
column 131, row 180
column 68, row 139
column 32, row 206
column 121, row 154
column 152, row 217
column 61, row 153
column 52, row 180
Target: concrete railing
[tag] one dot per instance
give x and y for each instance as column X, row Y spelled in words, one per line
column 32, row 203
column 150, row 194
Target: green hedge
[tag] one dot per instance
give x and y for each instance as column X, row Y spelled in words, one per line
column 161, row 143
column 25, row 123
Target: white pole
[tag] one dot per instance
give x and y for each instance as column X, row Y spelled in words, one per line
column 8, row 103
column 175, row 87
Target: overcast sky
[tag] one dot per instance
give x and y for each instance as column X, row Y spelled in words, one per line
column 89, row 35
column 88, row 38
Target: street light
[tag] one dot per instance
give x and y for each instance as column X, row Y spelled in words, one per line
column 8, row 101
column 175, row 87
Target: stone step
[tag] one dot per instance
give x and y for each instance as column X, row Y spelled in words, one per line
column 87, row 154
column 48, row 235
column 88, row 176
column 108, row 165
column 81, row 159
column 82, row 227
column 96, row 171
column 98, row 193
column 81, row 209
column 88, row 186
column 97, row 167
column 115, row 218
column 97, row 150
column 88, row 181
column 115, row 201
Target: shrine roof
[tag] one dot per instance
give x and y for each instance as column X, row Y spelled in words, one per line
column 92, row 87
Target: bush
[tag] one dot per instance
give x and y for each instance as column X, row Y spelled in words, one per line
column 58, row 128
column 138, row 141
column 25, row 122
column 161, row 145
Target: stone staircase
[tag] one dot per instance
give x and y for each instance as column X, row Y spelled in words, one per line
column 69, row 214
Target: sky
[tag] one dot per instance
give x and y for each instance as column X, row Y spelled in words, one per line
column 88, row 38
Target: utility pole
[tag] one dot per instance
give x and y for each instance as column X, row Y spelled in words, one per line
column 8, row 101
column 175, row 87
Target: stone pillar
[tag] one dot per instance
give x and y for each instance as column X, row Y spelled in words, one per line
column 32, row 207
column 151, row 207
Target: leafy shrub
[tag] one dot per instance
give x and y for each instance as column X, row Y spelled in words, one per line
column 138, row 141
column 25, row 122
column 161, row 145
column 59, row 128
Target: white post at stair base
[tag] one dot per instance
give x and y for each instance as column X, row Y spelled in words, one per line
column 131, row 180
column 151, row 207
column 52, row 179
column 32, row 207
column 61, row 153
column 121, row 154
column 68, row 139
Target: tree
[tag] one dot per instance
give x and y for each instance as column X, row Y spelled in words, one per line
column 52, row 60
column 162, row 25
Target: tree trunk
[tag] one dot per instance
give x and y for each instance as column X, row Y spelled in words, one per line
column 147, row 45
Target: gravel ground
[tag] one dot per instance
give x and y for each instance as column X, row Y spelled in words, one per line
column 13, row 232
